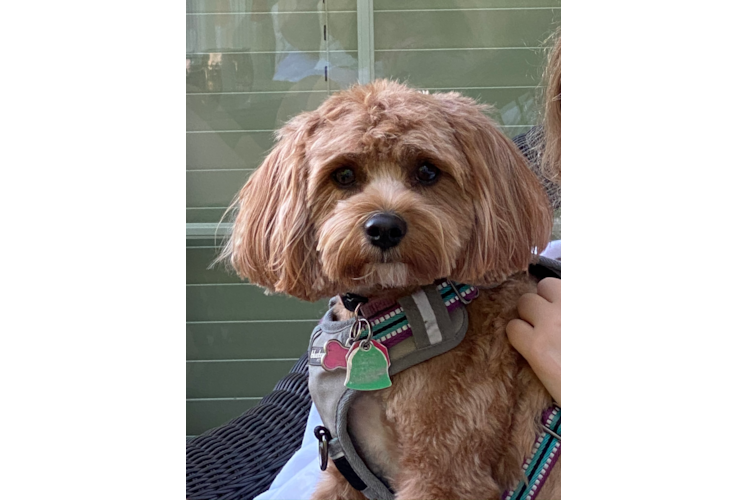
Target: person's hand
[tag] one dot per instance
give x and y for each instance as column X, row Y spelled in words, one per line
column 537, row 333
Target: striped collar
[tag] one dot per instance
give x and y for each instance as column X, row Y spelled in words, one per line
column 387, row 318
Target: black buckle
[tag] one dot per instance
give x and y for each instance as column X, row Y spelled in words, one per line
column 352, row 300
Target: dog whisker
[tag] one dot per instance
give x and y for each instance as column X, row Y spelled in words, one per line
column 365, row 276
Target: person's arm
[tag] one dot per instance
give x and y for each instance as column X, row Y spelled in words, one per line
column 537, row 333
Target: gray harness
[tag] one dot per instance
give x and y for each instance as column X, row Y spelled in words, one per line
column 414, row 329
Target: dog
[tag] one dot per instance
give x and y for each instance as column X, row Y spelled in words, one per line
column 384, row 189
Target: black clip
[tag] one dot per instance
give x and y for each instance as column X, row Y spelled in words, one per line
column 352, row 300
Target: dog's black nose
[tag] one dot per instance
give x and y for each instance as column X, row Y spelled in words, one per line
column 385, row 230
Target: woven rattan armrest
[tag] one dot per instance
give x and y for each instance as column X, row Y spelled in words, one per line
column 240, row 459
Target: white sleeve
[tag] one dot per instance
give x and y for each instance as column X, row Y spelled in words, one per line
column 553, row 250
column 298, row 478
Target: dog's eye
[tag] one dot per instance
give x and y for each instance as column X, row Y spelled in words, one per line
column 427, row 173
column 344, row 176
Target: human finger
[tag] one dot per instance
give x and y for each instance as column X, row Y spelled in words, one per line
column 530, row 307
column 550, row 289
column 520, row 334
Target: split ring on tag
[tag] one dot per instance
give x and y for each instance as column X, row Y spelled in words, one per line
column 357, row 328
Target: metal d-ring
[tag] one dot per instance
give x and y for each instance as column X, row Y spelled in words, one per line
column 356, row 327
column 323, row 435
column 457, row 292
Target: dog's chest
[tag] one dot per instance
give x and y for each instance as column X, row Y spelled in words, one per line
column 477, row 403
column 447, row 400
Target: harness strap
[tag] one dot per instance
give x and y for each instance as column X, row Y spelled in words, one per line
column 390, row 325
column 348, row 473
column 546, row 451
column 412, row 329
column 545, row 454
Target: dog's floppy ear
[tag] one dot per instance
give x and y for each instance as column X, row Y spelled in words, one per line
column 272, row 243
column 512, row 215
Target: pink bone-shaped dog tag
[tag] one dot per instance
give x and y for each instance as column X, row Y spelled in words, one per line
column 334, row 356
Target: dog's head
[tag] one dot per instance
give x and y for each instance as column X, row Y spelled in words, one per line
column 386, row 187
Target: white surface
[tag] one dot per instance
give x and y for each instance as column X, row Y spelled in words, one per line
column 298, row 478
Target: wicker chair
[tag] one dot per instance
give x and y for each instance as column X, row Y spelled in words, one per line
column 240, row 459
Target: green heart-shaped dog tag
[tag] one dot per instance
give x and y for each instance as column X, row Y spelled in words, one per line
column 368, row 367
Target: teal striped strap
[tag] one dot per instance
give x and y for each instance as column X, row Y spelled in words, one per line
column 546, row 452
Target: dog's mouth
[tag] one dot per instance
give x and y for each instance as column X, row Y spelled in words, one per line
column 386, row 274
column 398, row 267
column 388, row 257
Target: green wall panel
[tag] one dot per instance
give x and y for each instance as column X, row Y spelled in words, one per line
column 248, row 111
column 252, row 6
column 208, row 241
column 208, row 379
column 241, row 302
column 462, row 68
column 204, row 215
column 221, row 150
column 198, row 261
column 335, row 5
column 462, row 29
column 666, row 13
column 214, row 189
column 462, row 4
column 269, row 32
column 260, row 340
